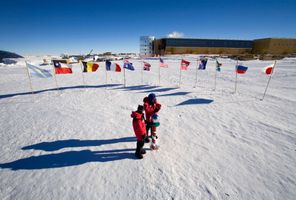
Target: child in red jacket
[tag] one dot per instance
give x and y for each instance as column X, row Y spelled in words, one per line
column 140, row 130
column 151, row 107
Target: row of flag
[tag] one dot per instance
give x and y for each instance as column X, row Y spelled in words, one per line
column 62, row 67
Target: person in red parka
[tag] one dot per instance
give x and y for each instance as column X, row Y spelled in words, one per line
column 151, row 107
column 140, row 130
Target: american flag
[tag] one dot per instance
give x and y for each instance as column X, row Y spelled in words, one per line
column 162, row 64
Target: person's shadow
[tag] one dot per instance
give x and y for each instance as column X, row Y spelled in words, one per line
column 60, row 144
column 70, row 158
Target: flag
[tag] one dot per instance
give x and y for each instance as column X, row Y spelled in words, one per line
column 241, row 69
column 184, row 64
column 268, row 69
column 38, row 72
column 128, row 65
column 147, row 66
column 112, row 66
column 203, row 64
column 162, row 64
column 90, row 66
column 61, row 67
column 218, row 66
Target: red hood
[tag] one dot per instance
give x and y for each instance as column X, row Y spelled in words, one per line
column 136, row 115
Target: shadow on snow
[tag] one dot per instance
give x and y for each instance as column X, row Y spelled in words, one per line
column 160, row 90
column 195, row 101
column 70, row 158
column 174, row 94
column 60, row 144
column 145, row 88
column 56, row 89
column 137, row 87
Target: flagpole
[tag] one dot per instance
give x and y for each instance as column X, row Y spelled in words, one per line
column 159, row 75
column 142, row 73
column 198, row 61
column 30, row 81
column 83, row 81
column 269, row 80
column 235, row 86
column 106, row 75
column 180, row 77
column 124, row 77
column 215, row 75
column 55, row 78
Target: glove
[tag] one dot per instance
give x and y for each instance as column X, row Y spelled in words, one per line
column 146, row 100
column 158, row 106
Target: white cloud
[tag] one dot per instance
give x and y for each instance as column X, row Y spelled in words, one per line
column 175, row 34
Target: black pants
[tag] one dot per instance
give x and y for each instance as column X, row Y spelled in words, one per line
column 140, row 144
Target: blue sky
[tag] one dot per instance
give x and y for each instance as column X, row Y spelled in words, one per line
column 76, row 26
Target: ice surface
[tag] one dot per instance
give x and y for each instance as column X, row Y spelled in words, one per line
column 78, row 142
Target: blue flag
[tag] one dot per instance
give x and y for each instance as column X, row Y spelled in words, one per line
column 128, row 65
column 203, row 64
column 240, row 69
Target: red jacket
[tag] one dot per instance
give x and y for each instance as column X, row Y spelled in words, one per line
column 151, row 109
column 138, row 125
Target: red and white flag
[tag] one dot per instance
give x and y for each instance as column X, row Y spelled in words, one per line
column 147, row 66
column 268, row 69
column 184, row 64
column 162, row 63
column 61, row 67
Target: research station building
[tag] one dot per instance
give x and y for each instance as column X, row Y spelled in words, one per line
column 149, row 46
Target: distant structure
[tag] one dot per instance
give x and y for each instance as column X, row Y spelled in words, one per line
column 149, row 46
column 274, row 46
column 201, row 46
column 6, row 56
column 146, row 45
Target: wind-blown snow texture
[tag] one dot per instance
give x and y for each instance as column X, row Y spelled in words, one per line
column 78, row 142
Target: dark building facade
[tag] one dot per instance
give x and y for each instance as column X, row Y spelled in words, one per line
column 273, row 46
column 201, row 46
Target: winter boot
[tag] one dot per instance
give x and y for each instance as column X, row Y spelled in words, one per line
column 139, row 155
column 153, row 145
column 139, row 149
column 143, row 151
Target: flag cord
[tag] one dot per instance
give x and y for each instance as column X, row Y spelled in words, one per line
column 83, row 81
column 235, row 75
column 55, row 78
column 142, row 74
column 106, row 75
column 269, row 80
column 159, row 75
column 30, row 81
column 198, row 61
column 180, row 77
column 124, row 77
column 215, row 77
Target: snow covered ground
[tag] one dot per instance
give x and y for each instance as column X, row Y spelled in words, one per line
column 78, row 142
